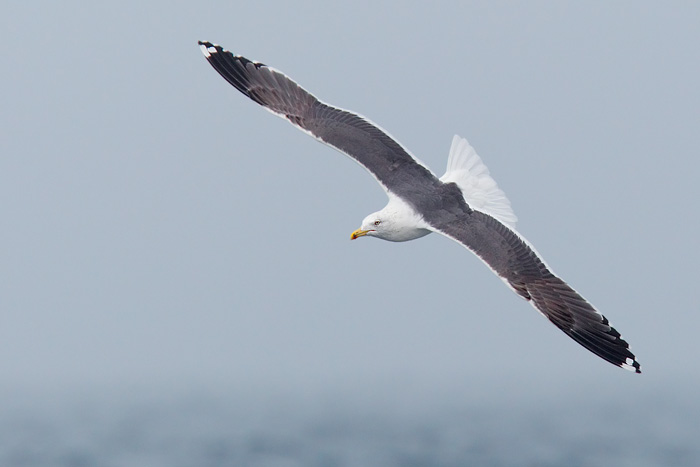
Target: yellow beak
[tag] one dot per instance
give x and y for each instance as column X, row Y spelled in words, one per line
column 358, row 233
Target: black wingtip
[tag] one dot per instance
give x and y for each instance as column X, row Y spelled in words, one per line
column 636, row 366
column 631, row 364
column 208, row 48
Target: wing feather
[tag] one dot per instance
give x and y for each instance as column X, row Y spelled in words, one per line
column 365, row 142
column 511, row 257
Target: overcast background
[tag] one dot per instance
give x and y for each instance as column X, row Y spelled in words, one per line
column 164, row 239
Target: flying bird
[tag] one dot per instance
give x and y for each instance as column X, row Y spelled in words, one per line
column 465, row 204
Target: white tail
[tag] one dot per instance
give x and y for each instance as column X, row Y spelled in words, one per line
column 465, row 168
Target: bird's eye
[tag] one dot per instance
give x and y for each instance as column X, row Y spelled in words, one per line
column 377, row 222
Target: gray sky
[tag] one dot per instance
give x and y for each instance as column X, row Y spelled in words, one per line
column 160, row 230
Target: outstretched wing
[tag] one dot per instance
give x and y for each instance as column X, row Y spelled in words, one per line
column 392, row 165
column 513, row 259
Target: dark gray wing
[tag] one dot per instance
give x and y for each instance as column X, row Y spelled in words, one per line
column 395, row 169
column 512, row 258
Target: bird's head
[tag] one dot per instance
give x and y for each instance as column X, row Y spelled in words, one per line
column 396, row 223
column 372, row 226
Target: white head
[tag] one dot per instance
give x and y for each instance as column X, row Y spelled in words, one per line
column 373, row 225
column 397, row 222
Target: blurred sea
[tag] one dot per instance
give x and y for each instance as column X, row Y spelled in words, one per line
column 199, row 430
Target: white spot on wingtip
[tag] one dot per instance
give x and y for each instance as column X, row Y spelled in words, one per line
column 631, row 365
column 212, row 50
column 204, row 50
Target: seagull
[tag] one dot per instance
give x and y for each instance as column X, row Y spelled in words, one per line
column 465, row 204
